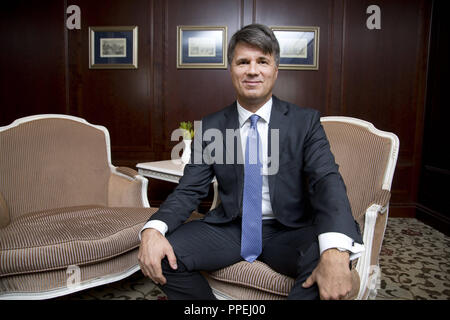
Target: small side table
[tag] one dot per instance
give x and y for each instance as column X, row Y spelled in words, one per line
column 172, row 171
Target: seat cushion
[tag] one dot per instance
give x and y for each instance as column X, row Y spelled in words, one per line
column 257, row 280
column 54, row 239
column 49, row 281
column 255, row 275
column 231, row 291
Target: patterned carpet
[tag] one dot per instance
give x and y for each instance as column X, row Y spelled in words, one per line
column 414, row 261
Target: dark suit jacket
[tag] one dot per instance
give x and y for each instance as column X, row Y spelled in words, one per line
column 307, row 188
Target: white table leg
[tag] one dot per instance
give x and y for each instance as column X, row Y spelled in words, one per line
column 216, row 199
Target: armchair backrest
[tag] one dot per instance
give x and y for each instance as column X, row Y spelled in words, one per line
column 366, row 157
column 53, row 161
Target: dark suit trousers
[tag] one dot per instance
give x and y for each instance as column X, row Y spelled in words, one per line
column 204, row 246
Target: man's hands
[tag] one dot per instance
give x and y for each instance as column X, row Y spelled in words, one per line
column 154, row 247
column 332, row 274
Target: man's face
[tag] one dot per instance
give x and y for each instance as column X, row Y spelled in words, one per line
column 253, row 74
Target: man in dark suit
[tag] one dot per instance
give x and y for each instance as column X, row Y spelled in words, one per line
column 300, row 210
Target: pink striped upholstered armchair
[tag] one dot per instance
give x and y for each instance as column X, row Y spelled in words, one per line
column 69, row 219
column 366, row 157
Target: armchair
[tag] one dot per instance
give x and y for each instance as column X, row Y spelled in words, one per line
column 366, row 157
column 69, row 219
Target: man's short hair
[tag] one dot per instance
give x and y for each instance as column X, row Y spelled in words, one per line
column 257, row 35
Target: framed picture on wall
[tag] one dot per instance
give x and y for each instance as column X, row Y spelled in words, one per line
column 299, row 47
column 200, row 47
column 113, row 47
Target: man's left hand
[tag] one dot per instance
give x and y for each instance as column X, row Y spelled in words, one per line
column 332, row 275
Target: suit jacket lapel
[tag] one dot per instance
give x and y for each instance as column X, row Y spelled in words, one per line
column 232, row 122
column 278, row 120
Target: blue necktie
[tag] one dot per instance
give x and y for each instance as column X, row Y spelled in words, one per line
column 251, row 237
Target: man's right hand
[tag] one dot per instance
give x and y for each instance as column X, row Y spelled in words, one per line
column 154, row 247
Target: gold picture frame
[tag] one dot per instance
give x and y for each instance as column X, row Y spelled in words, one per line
column 202, row 47
column 299, row 47
column 113, row 47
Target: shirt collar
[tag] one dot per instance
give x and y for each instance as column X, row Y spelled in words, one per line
column 263, row 112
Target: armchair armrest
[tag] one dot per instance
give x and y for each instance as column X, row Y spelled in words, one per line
column 127, row 188
column 382, row 200
column 127, row 171
column 375, row 221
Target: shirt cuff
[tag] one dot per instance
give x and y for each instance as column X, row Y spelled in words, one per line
column 330, row 240
column 155, row 224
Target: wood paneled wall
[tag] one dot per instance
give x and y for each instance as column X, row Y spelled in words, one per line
column 375, row 75
column 435, row 173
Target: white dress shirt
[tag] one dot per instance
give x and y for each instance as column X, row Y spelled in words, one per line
column 327, row 240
